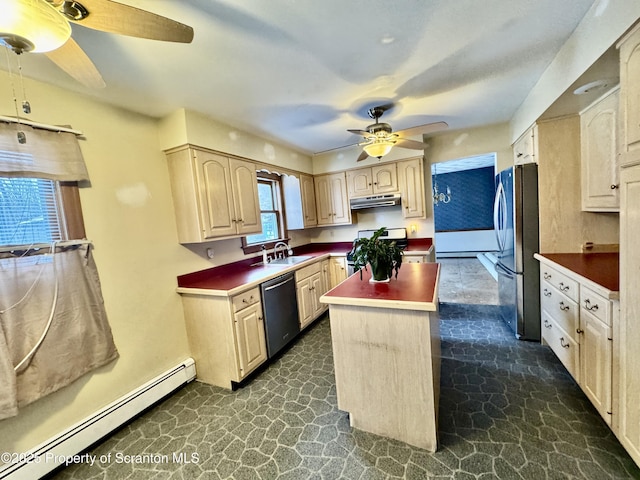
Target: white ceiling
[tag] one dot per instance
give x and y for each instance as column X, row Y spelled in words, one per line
column 302, row 72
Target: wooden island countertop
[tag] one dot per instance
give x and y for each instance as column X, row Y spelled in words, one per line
column 386, row 350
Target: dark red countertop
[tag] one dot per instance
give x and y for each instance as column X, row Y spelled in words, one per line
column 237, row 274
column 416, row 288
column 600, row 268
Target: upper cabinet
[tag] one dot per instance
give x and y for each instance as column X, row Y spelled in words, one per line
column 299, row 201
column 372, row 181
column 525, row 149
column 332, row 203
column 599, row 154
column 411, row 183
column 630, row 94
column 214, row 196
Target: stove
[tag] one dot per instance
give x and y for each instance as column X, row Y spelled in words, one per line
column 399, row 235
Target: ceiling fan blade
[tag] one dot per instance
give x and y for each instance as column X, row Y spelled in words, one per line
column 413, row 144
column 114, row 17
column 364, row 133
column 423, row 129
column 72, row 59
column 363, row 156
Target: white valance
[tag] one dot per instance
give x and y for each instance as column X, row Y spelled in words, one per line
column 45, row 154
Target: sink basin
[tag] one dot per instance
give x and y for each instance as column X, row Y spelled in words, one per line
column 292, row 260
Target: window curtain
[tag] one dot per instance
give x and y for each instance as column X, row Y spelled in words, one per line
column 45, row 154
column 53, row 324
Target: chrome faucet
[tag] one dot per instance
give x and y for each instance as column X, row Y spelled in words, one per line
column 282, row 255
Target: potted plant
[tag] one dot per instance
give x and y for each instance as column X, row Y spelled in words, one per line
column 383, row 256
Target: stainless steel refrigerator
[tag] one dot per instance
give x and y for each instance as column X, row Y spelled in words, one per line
column 516, row 222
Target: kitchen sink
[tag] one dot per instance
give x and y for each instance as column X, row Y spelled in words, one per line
column 292, row 260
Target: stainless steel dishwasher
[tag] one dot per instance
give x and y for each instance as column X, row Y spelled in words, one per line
column 280, row 312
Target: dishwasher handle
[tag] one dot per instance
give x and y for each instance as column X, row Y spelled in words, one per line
column 279, row 284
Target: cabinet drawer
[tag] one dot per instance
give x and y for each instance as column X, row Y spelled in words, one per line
column 245, row 299
column 563, row 310
column 560, row 281
column 595, row 304
column 307, row 271
column 565, row 347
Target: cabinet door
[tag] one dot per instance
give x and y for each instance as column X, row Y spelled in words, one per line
column 411, row 182
column 250, row 338
column 595, row 362
column 360, row 182
column 245, row 197
column 630, row 89
column 215, row 195
column 305, row 302
column 316, row 287
column 598, row 140
column 339, row 199
column 627, row 338
column 338, row 270
column 326, row 276
column 308, row 201
column 324, row 207
column 385, row 178
column 524, row 150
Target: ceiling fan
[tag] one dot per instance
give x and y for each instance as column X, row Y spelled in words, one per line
column 379, row 138
column 42, row 26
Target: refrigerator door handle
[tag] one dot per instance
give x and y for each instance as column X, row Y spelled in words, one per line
column 498, row 216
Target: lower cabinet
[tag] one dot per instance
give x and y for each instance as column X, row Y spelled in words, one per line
column 577, row 324
column 310, row 286
column 337, row 270
column 226, row 335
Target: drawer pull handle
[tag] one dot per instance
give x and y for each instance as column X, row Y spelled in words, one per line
column 564, row 307
column 547, row 276
column 546, row 293
column 563, row 344
column 547, row 324
column 579, row 330
column 588, row 306
column 244, row 300
column 563, row 287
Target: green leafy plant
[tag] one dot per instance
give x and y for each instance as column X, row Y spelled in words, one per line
column 383, row 256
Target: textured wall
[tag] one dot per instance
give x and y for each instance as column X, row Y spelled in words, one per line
column 471, row 205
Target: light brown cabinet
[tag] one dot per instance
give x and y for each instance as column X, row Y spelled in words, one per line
column 226, row 335
column 337, row 270
column 577, row 324
column 599, row 154
column 627, row 333
column 376, row 180
column 332, row 203
column 525, row 149
column 411, row 183
column 310, row 286
column 214, row 196
column 629, row 91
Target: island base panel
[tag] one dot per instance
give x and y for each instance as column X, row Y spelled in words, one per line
column 387, row 367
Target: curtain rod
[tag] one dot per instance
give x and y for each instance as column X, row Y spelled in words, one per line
column 42, row 126
column 37, row 246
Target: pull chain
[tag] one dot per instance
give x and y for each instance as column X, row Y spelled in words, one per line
column 26, row 106
column 22, row 138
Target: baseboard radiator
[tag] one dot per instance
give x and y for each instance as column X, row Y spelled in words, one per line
column 51, row 454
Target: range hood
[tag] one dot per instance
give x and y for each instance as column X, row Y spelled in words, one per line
column 387, row 200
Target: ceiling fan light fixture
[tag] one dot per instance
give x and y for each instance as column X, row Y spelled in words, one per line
column 33, row 26
column 379, row 148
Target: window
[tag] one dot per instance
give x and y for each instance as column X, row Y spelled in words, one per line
column 36, row 210
column 270, row 198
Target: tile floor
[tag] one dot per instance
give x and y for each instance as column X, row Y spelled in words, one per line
column 508, row 410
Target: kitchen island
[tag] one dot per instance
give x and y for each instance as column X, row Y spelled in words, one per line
column 386, row 350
